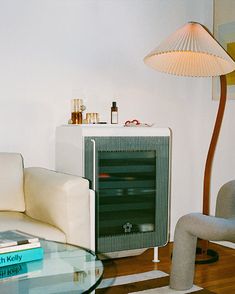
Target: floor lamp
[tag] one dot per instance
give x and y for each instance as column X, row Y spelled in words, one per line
column 192, row 51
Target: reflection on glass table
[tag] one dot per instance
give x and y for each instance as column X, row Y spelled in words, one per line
column 63, row 269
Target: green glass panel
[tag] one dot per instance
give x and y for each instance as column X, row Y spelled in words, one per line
column 137, row 172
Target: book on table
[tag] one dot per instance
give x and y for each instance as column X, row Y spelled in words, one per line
column 15, row 237
column 24, row 269
column 18, row 247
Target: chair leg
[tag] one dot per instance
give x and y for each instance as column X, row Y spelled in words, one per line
column 188, row 229
column 183, row 259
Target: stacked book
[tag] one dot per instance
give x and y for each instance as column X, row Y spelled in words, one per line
column 17, row 251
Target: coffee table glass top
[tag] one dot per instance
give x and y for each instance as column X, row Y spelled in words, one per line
column 63, row 269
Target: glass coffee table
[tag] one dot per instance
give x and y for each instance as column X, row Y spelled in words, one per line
column 64, row 269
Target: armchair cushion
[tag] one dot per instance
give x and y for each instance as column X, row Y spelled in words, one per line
column 11, row 182
column 12, row 220
column 225, row 204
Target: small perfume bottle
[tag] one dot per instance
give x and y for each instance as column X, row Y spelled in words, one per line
column 114, row 113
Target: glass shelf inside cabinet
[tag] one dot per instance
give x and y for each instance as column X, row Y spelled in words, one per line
column 127, row 192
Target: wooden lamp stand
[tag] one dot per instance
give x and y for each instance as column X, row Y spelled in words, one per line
column 207, row 255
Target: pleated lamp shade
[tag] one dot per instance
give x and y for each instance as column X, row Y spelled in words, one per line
column 191, row 51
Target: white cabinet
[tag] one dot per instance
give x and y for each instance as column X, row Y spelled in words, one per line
column 129, row 169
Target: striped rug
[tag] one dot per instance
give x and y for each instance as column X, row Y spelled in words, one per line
column 152, row 282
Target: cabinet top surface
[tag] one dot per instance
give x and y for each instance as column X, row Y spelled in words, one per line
column 114, row 130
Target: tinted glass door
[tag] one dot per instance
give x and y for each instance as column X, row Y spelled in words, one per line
column 131, row 183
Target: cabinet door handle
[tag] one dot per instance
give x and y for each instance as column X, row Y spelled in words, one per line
column 94, row 164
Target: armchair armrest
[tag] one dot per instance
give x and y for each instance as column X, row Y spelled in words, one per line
column 60, row 200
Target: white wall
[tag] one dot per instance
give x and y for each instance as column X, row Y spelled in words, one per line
column 53, row 50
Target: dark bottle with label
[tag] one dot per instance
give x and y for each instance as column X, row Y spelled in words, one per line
column 114, row 113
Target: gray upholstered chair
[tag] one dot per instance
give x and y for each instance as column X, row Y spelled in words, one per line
column 220, row 227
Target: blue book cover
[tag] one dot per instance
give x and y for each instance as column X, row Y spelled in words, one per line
column 13, row 270
column 21, row 256
column 20, row 269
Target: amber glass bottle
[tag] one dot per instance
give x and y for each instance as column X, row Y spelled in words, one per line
column 114, row 113
column 77, row 108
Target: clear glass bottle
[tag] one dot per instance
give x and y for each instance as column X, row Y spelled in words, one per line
column 114, row 113
column 77, row 108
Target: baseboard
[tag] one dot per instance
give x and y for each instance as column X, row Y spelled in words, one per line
column 225, row 243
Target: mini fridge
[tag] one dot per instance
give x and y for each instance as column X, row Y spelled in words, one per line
column 129, row 170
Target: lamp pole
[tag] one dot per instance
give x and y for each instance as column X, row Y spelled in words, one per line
column 210, row 156
column 211, row 151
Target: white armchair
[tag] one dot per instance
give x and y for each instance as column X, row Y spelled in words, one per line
column 44, row 203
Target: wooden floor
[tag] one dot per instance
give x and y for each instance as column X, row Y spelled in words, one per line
column 217, row 277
